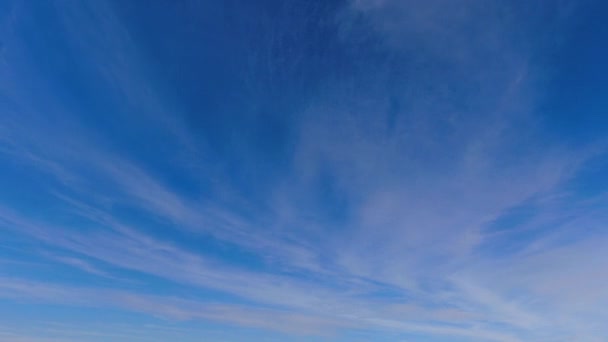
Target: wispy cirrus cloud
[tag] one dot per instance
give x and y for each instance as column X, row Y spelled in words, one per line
column 414, row 191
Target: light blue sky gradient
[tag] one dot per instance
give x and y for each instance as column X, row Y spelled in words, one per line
column 364, row 170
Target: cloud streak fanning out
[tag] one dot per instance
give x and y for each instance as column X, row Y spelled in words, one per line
column 351, row 170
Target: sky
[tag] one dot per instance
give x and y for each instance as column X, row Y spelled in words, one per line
column 290, row 170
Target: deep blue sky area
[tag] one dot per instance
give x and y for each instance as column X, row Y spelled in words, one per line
column 356, row 170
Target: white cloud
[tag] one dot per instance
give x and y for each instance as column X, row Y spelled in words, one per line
column 421, row 171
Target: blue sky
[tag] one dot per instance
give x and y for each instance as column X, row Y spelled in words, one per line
column 363, row 170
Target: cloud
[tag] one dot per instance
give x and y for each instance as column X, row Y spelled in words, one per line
column 170, row 307
column 394, row 211
column 175, row 308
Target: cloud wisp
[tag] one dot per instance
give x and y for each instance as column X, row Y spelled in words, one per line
column 369, row 170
